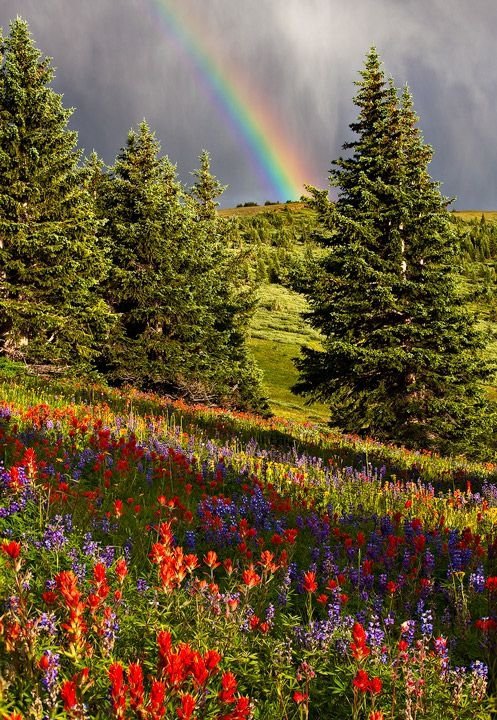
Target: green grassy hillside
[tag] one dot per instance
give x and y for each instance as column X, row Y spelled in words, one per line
column 476, row 214
column 277, row 333
column 247, row 211
column 280, row 235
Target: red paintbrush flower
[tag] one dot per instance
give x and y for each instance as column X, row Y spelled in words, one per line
column 210, row 559
column 117, row 690
column 164, row 641
column 486, row 624
column 156, row 707
column 199, row 671
column 251, row 578
column 190, row 562
column 375, row 686
column 49, row 597
column 212, row 659
column 267, row 561
column 310, row 584
column 359, row 635
column 361, row 681
column 121, row 569
column 360, row 652
column 419, row 543
column 300, row 697
column 67, row 583
column 392, row 587
column 491, row 584
column 188, row 704
column 229, row 687
column 135, row 685
column 68, row 694
column 12, row 549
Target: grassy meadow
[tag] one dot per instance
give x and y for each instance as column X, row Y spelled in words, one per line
column 165, row 561
column 283, row 232
column 277, row 333
column 160, row 561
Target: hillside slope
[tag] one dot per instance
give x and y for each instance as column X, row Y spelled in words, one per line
column 280, row 236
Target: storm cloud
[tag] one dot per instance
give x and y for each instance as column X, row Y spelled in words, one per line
column 116, row 64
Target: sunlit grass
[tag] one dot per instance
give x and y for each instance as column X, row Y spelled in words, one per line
column 277, row 334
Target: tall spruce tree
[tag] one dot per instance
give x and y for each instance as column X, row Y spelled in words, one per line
column 232, row 300
column 50, row 262
column 169, row 282
column 139, row 199
column 402, row 356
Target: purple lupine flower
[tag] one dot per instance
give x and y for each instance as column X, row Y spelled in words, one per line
column 79, row 568
column 426, row 622
column 47, row 623
column 5, row 412
column 442, row 651
column 406, row 560
column 127, row 548
column 389, row 621
column 49, row 665
column 408, row 628
column 376, row 636
column 269, row 614
column 90, row 546
column 15, row 499
column 105, row 525
column 334, row 607
column 378, row 603
column 190, row 539
column 12, row 603
column 477, row 580
column 54, row 537
column 429, row 562
column 110, row 630
column 361, row 617
column 386, row 526
column 108, row 555
column 479, row 668
column 245, row 624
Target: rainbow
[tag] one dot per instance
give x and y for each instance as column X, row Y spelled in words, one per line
column 274, row 158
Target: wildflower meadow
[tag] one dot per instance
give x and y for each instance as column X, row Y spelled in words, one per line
column 165, row 561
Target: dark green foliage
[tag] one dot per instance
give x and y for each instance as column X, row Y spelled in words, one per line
column 206, row 189
column 50, row 263
column 278, row 243
column 478, row 239
column 174, row 282
column 402, row 356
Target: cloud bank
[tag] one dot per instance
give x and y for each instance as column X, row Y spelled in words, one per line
column 117, row 63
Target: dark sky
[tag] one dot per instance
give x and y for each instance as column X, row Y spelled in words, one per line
column 117, row 62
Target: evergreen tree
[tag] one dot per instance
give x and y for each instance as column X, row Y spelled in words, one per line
column 50, row 263
column 169, row 282
column 139, row 201
column 231, row 298
column 94, row 174
column 207, row 189
column 402, row 357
